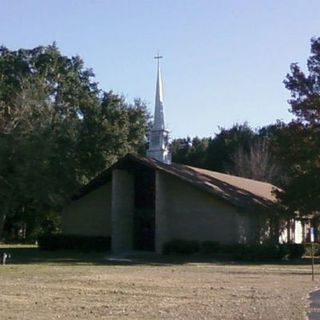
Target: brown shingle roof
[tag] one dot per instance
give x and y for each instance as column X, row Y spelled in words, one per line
column 240, row 192
column 259, row 188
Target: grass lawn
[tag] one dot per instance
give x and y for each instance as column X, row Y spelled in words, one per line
column 63, row 285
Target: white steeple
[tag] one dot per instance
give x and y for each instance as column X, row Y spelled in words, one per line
column 158, row 123
column 159, row 136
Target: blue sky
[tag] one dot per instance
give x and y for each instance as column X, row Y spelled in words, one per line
column 224, row 61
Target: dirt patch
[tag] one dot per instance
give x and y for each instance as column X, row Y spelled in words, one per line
column 190, row 291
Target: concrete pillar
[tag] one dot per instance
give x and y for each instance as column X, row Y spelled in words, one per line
column 122, row 211
column 161, row 211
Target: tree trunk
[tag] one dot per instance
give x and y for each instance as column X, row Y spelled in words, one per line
column 289, row 231
column 275, row 229
column 3, row 217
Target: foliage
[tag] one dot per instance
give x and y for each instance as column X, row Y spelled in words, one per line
column 57, row 131
column 257, row 163
column 74, row 242
column 308, row 247
column 224, row 145
column 301, row 138
column 190, row 151
column 210, row 247
column 239, row 150
column 240, row 252
column 295, row 250
column 178, row 246
column 259, row 252
column 212, row 153
column 24, row 227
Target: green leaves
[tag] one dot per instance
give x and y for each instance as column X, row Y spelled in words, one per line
column 301, row 147
column 305, row 89
column 57, row 129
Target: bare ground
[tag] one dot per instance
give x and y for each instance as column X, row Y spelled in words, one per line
column 154, row 291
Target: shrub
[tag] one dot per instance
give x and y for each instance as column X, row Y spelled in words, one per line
column 295, row 250
column 177, row 246
column 232, row 249
column 264, row 252
column 240, row 252
column 308, row 250
column 270, row 252
column 210, row 247
column 258, row 252
column 73, row 242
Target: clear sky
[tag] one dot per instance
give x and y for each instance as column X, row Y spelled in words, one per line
column 224, row 60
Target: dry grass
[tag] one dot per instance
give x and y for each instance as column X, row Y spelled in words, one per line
column 95, row 290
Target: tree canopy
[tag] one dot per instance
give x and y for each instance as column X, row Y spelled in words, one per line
column 239, row 150
column 301, row 139
column 57, row 130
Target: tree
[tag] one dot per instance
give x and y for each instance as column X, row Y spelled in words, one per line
column 213, row 153
column 190, row 151
column 302, row 136
column 57, row 130
column 223, row 146
column 180, row 149
column 258, row 163
column 239, row 150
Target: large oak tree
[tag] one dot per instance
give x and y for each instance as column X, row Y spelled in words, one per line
column 57, row 130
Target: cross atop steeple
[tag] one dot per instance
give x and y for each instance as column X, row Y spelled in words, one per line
column 158, row 57
column 159, row 136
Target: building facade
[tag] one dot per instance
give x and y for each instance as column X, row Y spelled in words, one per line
column 144, row 202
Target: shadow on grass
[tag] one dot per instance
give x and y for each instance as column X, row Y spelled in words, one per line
column 33, row 255
column 23, row 254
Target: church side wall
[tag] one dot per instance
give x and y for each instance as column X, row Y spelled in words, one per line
column 89, row 215
column 186, row 212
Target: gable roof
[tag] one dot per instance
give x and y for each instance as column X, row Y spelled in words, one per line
column 241, row 192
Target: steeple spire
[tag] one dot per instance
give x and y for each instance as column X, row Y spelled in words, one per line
column 159, row 136
column 158, row 108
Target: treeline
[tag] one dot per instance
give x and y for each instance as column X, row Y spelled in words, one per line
column 240, row 150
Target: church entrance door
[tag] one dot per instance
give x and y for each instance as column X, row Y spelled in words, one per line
column 144, row 211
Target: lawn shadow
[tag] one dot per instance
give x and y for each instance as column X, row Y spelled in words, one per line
column 23, row 254
column 33, row 255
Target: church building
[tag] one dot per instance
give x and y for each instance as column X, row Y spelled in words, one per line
column 144, row 202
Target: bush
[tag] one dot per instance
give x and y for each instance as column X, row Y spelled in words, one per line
column 271, row 252
column 308, row 250
column 265, row 252
column 232, row 249
column 73, row 242
column 210, row 247
column 240, row 252
column 258, row 252
column 295, row 250
column 177, row 246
